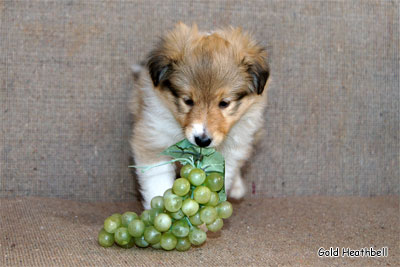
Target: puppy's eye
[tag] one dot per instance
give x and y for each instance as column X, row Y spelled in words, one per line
column 224, row 104
column 188, row 102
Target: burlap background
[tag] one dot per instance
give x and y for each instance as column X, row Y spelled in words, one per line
column 332, row 125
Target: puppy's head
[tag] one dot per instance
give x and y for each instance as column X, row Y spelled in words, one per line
column 208, row 80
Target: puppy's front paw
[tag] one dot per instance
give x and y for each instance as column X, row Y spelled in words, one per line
column 155, row 181
column 238, row 189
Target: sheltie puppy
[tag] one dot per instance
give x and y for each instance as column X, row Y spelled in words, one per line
column 208, row 87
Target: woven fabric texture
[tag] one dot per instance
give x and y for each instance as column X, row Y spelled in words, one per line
column 261, row 232
column 332, row 124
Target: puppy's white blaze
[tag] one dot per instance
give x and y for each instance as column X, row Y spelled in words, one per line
column 198, row 129
column 155, row 181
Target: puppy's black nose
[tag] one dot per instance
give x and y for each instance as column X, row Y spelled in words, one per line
column 203, row 140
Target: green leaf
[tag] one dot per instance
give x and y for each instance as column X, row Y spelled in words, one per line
column 222, row 195
column 183, row 149
column 184, row 144
column 207, row 151
column 214, row 162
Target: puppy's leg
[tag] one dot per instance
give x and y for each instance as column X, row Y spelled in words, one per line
column 238, row 189
column 234, row 184
column 155, row 181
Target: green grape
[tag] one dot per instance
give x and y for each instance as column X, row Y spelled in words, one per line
column 157, row 203
column 156, row 246
column 146, row 217
column 136, row 228
column 105, row 239
column 208, row 214
column 131, row 244
column 197, row 236
column 177, row 215
column 216, row 225
column 214, row 199
column 173, row 203
column 185, row 170
column 162, row 222
column 183, row 244
column 224, row 210
column 153, row 214
column 167, row 193
column 181, row 187
column 197, row 176
column 195, row 219
column 122, row 236
column 141, row 242
column 168, row 241
column 127, row 217
column 202, row 194
column 190, row 207
column 215, row 181
column 151, row 235
column 112, row 223
column 180, row 228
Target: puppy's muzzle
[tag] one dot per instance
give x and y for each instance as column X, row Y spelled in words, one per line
column 202, row 140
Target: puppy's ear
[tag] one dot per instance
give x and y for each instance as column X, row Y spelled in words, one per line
column 259, row 74
column 160, row 67
column 169, row 51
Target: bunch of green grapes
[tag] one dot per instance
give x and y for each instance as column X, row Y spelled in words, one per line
column 176, row 219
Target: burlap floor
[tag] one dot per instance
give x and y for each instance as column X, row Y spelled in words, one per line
column 262, row 232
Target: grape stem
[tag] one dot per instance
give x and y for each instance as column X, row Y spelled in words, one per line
column 198, row 157
column 144, row 169
column 188, row 221
column 192, row 188
column 185, row 152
